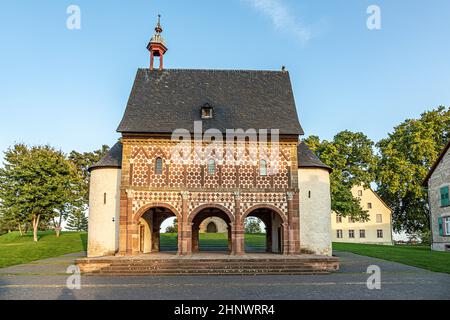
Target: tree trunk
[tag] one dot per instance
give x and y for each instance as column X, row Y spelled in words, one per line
column 20, row 229
column 35, row 227
column 58, row 231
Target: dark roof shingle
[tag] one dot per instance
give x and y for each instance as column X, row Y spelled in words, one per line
column 307, row 159
column 113, row 159
column 162, row 101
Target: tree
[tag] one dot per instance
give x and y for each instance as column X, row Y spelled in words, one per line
column 77, row 221
column 252, row 225
column 83, row 161
column 352, row 159
column 35, row 183
column 173, row 228
column 406, row 156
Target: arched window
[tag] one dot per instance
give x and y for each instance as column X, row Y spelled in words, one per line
column 159, row 166
column 211, row 167
column 263, row 168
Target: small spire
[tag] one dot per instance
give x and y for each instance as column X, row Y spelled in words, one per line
column 158, row 28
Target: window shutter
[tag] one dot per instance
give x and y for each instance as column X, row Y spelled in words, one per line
column 444, row 197
column 441, row 226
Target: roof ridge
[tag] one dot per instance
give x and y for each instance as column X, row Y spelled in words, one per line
column 214, row 70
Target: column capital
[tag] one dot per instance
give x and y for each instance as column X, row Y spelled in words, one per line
column 290, row 196
column 237, row 195
column 185, row 195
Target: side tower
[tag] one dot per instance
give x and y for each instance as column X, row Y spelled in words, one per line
column 315, row 202
column 104, row 204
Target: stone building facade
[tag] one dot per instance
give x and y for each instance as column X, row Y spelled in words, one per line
column 438, row 183
column 149, row 176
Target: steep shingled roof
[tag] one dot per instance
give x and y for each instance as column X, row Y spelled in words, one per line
column 307, row 159
column 113, row 159
column 162, row 101
column 435, row 165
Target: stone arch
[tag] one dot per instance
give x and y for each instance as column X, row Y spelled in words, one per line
column 209, row 206
column 149, row 206
column 264, row 206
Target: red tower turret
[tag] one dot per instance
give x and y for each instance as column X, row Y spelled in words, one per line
column 157, row 46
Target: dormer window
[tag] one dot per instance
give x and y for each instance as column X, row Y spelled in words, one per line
column 207, row 112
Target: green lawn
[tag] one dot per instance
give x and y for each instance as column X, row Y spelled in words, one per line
column 215, row 241
column 15, row 249
column 417, row 256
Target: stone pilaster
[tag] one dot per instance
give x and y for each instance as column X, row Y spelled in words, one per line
column 238, row 232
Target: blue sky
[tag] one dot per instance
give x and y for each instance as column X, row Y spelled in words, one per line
column 69, row 88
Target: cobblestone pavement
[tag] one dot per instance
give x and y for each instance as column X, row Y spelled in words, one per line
column 46, row 279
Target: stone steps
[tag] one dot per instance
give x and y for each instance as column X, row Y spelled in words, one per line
column 225, row 266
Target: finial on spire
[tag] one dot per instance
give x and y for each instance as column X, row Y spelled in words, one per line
column 158, row 28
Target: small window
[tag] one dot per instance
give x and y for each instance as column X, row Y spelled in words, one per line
column 360, row 193
column 445, row 197
column 362, row 233
column 211, row 167
column 351, row 234
column 338, row 219
column 159, row 166
column 379, row 218
column 369, row 205
column 379, row 234
column 350, row 220
column 207, row 112
column 339, row 234
column 263, row 168
column 104, row 198
column 309, row 194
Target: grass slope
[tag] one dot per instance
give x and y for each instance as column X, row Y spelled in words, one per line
column 15, row 249
column 215, row 241
column 417, row 256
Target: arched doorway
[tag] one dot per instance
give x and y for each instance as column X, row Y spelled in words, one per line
column 255, row 235
column 211, row 228
column 219, row 241
column 273, row 221
column 150, row 239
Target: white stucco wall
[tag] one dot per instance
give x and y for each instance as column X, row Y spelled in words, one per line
column 315, row 210
column 103, row 235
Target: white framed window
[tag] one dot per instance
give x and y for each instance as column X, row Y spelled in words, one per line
column 339, row 234
column 338, row 219
column 360, row 193
column 379, row 218
column 350, row 220
column 447, row 226
column 379, row 233
column 351, row 234
column 362, row 233
column 369, row 205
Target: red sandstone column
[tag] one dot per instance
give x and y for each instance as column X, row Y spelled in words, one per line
column 186, row 230
column 123, row 223
column 291, row 242
column 238, row 234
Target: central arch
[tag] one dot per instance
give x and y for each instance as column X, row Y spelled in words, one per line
column 214, row 242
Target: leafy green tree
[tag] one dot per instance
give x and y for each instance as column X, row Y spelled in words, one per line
column 173, row 228
column 352, row 159
column 77, row 221
column 83, row 161
column 35, row 183
column 252, row 226
column 406, row 156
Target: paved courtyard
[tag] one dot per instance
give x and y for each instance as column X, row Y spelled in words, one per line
column 46, row 279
